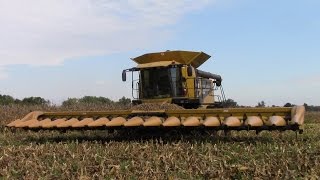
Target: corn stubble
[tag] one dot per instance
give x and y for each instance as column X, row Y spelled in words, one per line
column 96, row 154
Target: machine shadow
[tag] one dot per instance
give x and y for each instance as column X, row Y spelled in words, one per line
column 155, row 136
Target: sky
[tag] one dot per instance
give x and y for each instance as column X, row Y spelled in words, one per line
column 264, row 50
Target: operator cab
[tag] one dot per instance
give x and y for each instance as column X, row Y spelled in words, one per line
column 160, row 82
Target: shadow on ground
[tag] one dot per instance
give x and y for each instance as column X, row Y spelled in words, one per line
column 160, row 136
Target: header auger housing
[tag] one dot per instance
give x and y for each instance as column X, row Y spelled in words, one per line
column 172, row 77
column 226, row 119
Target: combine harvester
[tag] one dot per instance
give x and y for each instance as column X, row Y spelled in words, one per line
column 172, row 77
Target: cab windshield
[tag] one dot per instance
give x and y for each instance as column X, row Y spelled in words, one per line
column 161, row 82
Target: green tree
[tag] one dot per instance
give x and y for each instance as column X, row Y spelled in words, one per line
column 124, row 101
column 87, row 100
column 288, row 105
column 230, row 103
column 261, row 104
column 70, row 102
column 35, row 101
column 6, row 100
column 95, row 100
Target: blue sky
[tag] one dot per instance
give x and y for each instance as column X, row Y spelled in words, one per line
column 264, row 50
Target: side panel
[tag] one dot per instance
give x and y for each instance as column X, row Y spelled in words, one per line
column 197, row 87
column 189, row 83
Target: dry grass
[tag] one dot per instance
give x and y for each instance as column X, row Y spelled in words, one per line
column 96, row 154
column 312, row 117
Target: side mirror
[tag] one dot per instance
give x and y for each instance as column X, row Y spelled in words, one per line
column 218, row 83
column 124, row 76
column 189, row 70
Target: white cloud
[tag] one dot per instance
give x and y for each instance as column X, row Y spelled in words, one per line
column 37, row 32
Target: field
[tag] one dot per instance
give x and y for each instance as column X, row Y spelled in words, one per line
column 98, row 155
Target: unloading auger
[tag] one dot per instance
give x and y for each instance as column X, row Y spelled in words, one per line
column 172, row 77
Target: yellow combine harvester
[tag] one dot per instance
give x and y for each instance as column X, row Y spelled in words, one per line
column 172, row 77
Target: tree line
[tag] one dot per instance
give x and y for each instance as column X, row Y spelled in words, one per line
column 9, row 100
column 232, row 103
column 95, row 100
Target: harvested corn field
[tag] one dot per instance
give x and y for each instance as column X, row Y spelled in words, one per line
column 96, row 154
